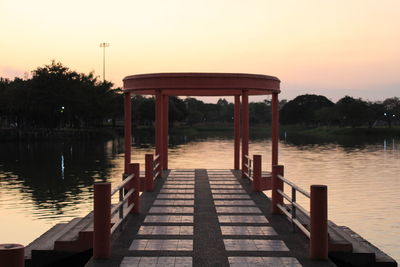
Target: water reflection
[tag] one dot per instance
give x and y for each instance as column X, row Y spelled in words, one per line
column 44, row 183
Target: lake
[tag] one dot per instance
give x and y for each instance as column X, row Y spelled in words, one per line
column 45, row 183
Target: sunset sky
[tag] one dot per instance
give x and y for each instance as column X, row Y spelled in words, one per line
column 334, row 48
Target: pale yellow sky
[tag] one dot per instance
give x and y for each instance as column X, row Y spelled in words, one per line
column 327, row 47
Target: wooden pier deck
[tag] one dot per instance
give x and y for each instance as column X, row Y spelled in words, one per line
column 207, row 218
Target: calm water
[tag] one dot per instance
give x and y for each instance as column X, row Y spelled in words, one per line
column 44, row 183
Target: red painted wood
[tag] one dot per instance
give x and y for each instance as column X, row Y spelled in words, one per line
column 257, row 170
column 276, row 184
column 201, row 83
column 102, row 221
column 245, row 129
column 237, row 133
column 275, row 129
column 319, row 222
column 136, row 184
column 149, row 172
column 127, row 129
column 165, row 131
column 266, row 183
column 159, row 126
column 12, row 255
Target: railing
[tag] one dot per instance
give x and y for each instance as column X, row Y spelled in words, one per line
column 124, row 196
column 317, row 217
column 255, row 175
column 294, row 205
column 152, row 170
column 104, row 211
column 248, row 164
column 156, row 166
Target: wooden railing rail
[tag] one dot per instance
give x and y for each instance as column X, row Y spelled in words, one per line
column 104, row 211
column 248, row 165
column 124, row 196
column 318, row 214
column 152, row 170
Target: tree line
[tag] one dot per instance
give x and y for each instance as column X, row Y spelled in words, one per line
column 57, row 97
column 317, row 110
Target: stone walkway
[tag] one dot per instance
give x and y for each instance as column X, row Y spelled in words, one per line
column 208, row 218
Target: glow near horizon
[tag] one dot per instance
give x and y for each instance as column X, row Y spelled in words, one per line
column 334, row 48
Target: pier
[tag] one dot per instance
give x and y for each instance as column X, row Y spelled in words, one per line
column 207, row 218
column 159, row 216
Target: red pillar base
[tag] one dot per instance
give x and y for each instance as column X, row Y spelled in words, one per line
column 102, row 221
column 12, row 255
column 319, row 222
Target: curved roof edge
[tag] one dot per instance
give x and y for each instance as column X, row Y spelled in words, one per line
column 198, row 84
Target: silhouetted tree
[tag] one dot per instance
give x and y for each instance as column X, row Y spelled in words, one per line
column 352, row 111
column 302, row 109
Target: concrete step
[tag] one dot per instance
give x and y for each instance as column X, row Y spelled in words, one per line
column 363, row 253
column 77, row 239
column 46, row 240
column 336, row 241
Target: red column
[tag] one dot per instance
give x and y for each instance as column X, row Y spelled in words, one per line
column 276, row 184
column 102, row 221
column 149, row 172
column 237, row 133
column 245, row 128
column 319, row 222
column 136, row 184
column 12, row 255
column 130, row 184
column 257, row 170
column 275, row 128
column 159, row 126
column 128, row 129
column 165, row 131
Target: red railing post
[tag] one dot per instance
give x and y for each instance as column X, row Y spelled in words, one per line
column 276, row 184
column 12, row 255
column 149, row 173
column 136, row 185
column 256, row 173
column 319, row 222
column 102, row 221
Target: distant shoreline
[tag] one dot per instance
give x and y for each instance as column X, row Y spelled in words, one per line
column 9, row 134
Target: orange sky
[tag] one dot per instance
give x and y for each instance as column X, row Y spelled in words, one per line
column 332, row 48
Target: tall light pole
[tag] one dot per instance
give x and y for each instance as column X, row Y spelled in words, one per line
column 104, row 45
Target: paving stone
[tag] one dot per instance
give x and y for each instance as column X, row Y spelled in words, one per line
column 248, row 230
column 168, row 219
column 162, row 244
column 177, row 191
column 264, row 261
column 222, row 209
column 171, row 209
column 174, row 202
column 228, row 191
column 165, row 230
column 175, row 196
column 173, row 182
column 223, row 182
column 242, row 219
column 227, row 186
column 234, row 203
column 230, row 196
column 178, row 186
column 254, row 245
